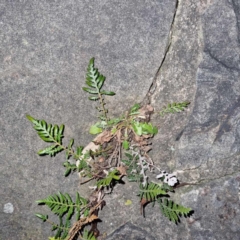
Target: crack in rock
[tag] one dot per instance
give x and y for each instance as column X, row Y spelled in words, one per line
column 207, row 180
column 147, row 98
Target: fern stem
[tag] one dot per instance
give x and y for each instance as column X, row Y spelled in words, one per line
column 70, row 151
column 102, row 105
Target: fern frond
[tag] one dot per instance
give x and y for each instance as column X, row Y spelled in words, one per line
column 172, row 210
column 95, row 81
column 48, row 133
column 150, row 192
column 174, row 107
column 107, row 181
column 61, row 204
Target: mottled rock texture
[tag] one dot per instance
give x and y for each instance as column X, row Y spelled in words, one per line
column 156, row 51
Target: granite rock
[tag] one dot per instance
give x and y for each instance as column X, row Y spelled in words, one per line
column 158, row 51
column 45, row 49
column 201, row 145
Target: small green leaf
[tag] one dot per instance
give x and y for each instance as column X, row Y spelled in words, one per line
column 137, row 128
column 89, row 90
column 67, row 172
column 54, row 227
column 113, row 130
column 68, row 150
column 107, row 93
column 31, row 119
column 70, row 144
column 56, row 130
column 155, row 130
column 67, row 154
column 115, row 121
column 125, row 144
column 148, row 128
column 94, row 129
column 101, row 80
column 93, row 98
column 135, row 108
column 79, row 150
column 41, row 216
column 128, row 202
column 91, row 61
column 46, row 150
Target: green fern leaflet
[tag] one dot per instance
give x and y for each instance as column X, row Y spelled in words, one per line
column 172, row 210
column 151, row 191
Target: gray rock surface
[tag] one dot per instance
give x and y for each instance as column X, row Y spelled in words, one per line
column 160, row 51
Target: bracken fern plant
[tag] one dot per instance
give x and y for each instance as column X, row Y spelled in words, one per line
column 119, row 149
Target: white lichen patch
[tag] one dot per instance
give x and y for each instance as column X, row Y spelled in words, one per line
column 8, row 208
